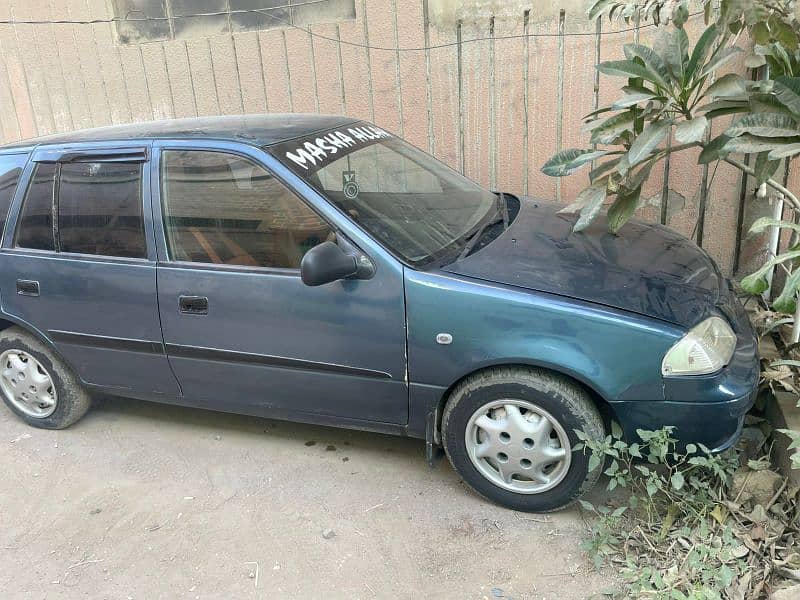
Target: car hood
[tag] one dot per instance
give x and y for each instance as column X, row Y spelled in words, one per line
column 645, row 268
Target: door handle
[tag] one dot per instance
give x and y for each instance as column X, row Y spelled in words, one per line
column 27, row 287
column 193, row 305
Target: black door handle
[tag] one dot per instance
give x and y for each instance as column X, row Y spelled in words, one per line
column 27, row 287
column 193, row 305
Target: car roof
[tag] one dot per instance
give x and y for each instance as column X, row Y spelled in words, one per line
column 259, row 130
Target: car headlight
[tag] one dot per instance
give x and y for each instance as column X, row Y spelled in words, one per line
column 705, row 349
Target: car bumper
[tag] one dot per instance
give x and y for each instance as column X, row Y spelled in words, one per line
column 706, row 409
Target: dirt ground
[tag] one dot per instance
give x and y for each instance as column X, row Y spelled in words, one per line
column 143, row 501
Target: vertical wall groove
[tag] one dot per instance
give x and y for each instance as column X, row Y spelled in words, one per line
column 560, row 94
column 426, row 26
column 492, row 111
column 526, row 62
column 460, row 75
column 370, row 91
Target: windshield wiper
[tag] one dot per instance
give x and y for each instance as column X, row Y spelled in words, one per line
column 475, row 237
column 503, row 209
column 500, row 217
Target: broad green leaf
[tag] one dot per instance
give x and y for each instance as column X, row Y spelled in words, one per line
column 750, row 143
column 725, row 104
column 623, row 209
column 722, row 112
column 786, row 302
column 787, row 90
column 760, row 33
column 677, row 480
column 612, row 128
column 701, row 48
column 691, row 130
column 652, row 61
column 754, row 61
column 603, row 168
column 764, row 223
column 569, row 161
column 784, row 151
column 627, row 68
column 598, row 8
column 645, row 142
column 764, row 125
column 756, row 283
column 764, row 167
column 719, row 58
column 632, row 98
column 677, row 54
column 730, row 85
column 714, row 150
column 589, row 201
column 594, row 462
column 680, row 15
column 767, row 103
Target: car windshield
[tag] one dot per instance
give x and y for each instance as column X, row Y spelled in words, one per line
column 416, row 206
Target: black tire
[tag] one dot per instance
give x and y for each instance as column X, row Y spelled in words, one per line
column 564, row 399
column 72, row 400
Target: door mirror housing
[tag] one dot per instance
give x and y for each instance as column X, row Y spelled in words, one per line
column 326, row 262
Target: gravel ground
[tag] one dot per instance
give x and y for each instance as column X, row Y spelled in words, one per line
column 143, row 501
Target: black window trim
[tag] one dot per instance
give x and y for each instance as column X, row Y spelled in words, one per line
column 45, row 156
column 284, row 271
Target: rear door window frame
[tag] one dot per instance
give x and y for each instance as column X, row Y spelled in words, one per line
column 116, row 151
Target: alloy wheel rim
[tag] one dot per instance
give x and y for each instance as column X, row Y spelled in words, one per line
column 26, row 384
column 518, row 446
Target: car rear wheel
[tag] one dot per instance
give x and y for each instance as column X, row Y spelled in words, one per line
column 509, row 432
column 36, row 384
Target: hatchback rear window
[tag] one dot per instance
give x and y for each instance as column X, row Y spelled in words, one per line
column 11, row 166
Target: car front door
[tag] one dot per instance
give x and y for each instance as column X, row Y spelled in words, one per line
column 78, row 265
column 242, row 331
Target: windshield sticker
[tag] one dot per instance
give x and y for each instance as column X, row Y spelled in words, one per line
column 314, row 154
column 349, row 185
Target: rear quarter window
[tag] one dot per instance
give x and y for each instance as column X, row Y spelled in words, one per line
column 11, row 166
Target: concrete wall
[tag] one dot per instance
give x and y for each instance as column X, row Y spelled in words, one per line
column 494, row 108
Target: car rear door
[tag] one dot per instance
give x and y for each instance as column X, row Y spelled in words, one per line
column 242, row 331
column 78, row 265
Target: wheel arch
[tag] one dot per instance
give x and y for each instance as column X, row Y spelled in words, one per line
column 604, row 406
column 7, row 321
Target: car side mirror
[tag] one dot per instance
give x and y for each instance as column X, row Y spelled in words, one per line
column 326, row 262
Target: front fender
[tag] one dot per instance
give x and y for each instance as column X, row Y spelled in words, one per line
column 615, row 353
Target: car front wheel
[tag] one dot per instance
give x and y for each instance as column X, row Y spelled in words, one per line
column 509, row 432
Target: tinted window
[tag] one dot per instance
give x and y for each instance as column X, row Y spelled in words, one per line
column 220, row 208
column 11, row 166
column 35, row 228
column 100, row 209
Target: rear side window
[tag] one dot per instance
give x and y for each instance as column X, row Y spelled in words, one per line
column 35, row 228
column 11, row 166
column 99, row 209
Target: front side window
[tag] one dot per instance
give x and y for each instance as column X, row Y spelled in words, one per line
column 99, row 208
column 223, row 209
column 11, row 166
column 416, row 206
